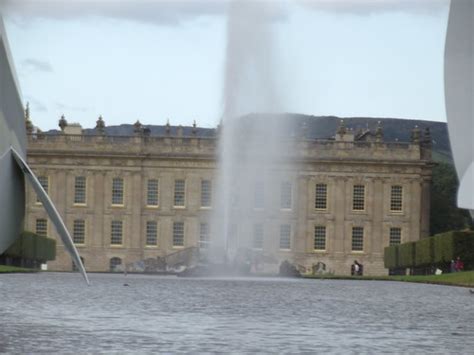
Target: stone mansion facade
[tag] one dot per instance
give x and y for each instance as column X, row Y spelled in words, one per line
column 148, row 192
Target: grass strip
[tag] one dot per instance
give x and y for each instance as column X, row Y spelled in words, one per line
column 13, row 269
column 464, row 279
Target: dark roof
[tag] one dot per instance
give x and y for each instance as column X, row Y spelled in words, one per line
column 128, row 130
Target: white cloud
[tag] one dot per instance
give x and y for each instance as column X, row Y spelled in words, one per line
column 367, row 7
column 176, row 12
column 35, row 105
column 35, row 65
column 66, row 107
column 146, row 11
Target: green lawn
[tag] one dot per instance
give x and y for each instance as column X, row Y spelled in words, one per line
column 465, row 279
column 10, row 269
column 458, row 278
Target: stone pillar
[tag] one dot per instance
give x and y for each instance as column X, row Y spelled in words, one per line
column 192, row 238
column 376, row 246
column 99, row 238
column 301, row 203
column 164, row 236
column 193, row 192
column 425, row 207
column 58, row 193
column 137, row 235
column 340, row 216
column 415, row 210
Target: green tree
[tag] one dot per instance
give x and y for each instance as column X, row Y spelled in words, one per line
column 445, row 216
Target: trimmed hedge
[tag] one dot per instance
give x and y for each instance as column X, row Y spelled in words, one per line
column 391, row 257
column 424, row 252
column 443, row 247
column 434, row 251
column 406, row 255
column 33, row 247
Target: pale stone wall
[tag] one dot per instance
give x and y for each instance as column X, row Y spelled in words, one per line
column 339, row 164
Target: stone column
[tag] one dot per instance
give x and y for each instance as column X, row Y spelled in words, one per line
column 339, row 199
column 415, row 210
column 301, row 203
column 137, row 237
column 98, row 241
column 425, row 207
column 376, row 245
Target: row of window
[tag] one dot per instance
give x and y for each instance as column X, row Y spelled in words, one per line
column 152, row 197
column 357, row 242
column 116, row 232
column 320, row 237
column 151, row 231
column 358, row 198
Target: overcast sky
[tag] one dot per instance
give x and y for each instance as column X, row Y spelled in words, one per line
column 159, row 60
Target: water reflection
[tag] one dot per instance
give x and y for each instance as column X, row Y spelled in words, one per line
column 56, row 312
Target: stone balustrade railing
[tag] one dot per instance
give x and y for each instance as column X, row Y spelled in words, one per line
column 317, row 149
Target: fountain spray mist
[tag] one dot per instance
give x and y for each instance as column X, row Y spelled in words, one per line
column 250, row 171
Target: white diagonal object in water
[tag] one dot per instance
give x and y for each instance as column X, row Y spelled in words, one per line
column 52, row 212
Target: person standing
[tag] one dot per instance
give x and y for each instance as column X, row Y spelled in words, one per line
column 459, row 266
column 452, row 267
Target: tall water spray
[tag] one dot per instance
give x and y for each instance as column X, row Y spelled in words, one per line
column 252, row 178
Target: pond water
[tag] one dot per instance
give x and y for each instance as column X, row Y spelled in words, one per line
column 57, row 312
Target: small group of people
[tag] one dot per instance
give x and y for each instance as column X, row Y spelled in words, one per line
column 456, row 265
column 357, row 269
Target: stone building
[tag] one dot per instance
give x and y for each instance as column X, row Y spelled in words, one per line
column 148, row 192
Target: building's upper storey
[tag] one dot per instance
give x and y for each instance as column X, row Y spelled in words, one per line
column 167, row 141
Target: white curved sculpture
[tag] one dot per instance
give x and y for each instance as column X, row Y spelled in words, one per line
column 13, row 166
column 459, row 82
column 52, row 212
column 12, row 133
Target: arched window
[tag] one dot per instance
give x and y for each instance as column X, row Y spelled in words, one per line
column 74, row 267
column 114, row 263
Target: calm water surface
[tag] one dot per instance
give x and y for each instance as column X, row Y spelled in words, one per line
column 53, row 312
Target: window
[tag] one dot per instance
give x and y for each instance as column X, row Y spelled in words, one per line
column 178, row 234
column 285, row 236
column 358, row 198
column 396, row 198
column 42, row 227
column 204, row 235
column 206, row 193
column 395, row 236
column 319, row 238
column 116, row 233
column 259, row 195
column 179, row 193
column 357, row 238
column 258, row 236
column 115, row 263
column 151, row 233
column 285, row 195
column 152, row 193
column 117, row 191
column 44, row 182
column 80, row 190
column 79, row 231
column 320, row 202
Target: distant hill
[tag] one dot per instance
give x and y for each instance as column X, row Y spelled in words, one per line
column 394, row 129
column 320, row 127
